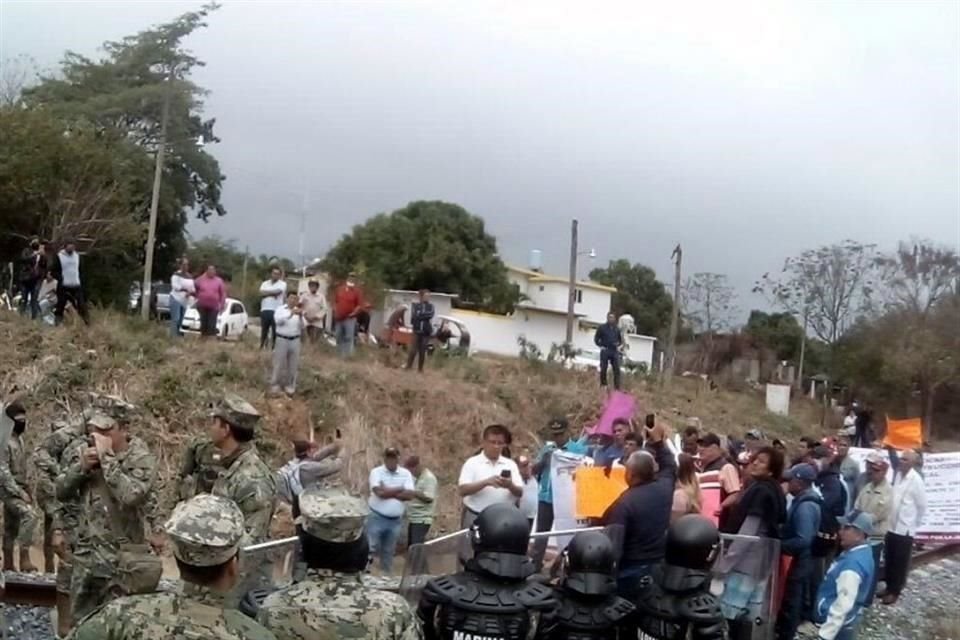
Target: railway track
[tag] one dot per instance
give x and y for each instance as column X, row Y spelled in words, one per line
column 40, row 590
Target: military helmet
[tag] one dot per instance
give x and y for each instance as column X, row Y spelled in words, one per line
column 590, row 564
column 332, row 515
column 500, row 537
column 236, row 411
column 692, row 543
column 205, row 530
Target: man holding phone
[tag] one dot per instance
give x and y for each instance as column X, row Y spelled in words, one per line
column 488, row 477
column 286, row 353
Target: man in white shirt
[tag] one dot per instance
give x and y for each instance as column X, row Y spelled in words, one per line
column 489, row 478
column 272, row 292
column 181, row 288
column 286, row 353
column 71, row 289
column 314, row 306
column 390, row 486
column 906, row 513
column 531, row 489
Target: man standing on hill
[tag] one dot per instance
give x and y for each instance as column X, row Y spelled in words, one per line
column 272, row 292
column 424, row 502
column 347, row 303
column 71, row 289
column 421, row 316
column 610, row 340
column 390, row 487
column 314, row 310
column 286, row 354
column 33, row 264
column 908, row 505
column 19, row 516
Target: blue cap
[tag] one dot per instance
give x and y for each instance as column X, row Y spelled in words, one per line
column 858, row 520
column 802, row 471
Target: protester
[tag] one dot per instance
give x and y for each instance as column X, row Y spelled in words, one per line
column 421, row 318
column 71, row 287
column 489, row 477
column 761, row 509
column 286, row 353
column 799, row 533
column 687, row 498
column 47, row 296
column 423, row 505
column 716, row 470
column 864, row 427
column 834, row 505
column 211, row 300
column 848, row 468
column 310, row 466
column 644, row 512
column 531, row 490
column 777, row 444
column 610, row 340
column 390, row 486
column 181, row 289
column 845, row 589
column 875, row 497
column 33, row 264
column 690, row 440
column 850, row 422
column 907, row 508
column 272, row 294
column 614, row 450
column 631, row 443
column 560, row 440
column 347, row 303
column 314, row 305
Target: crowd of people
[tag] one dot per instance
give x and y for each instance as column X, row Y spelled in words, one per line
column 48, row 279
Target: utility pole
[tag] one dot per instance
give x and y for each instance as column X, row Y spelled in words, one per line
column 803, row 351
column 145, row 295
column 243, row 281
column 677, row 256
column 573, row 282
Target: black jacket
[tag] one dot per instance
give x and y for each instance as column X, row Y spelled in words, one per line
column 608, row 336
column 421, row 313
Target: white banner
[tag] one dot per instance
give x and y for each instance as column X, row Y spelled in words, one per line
column 941, row 478
column 562, row 468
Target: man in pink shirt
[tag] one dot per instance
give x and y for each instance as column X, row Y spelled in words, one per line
column 211, row 300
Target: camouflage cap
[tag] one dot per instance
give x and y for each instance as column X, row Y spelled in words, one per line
column 332, row 515
column 237, row 412
column 115, row 406
column 101, row 421
column 205, row 531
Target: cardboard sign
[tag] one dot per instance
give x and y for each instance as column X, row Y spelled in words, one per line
column 618, row 405
column 596, row 492
column 904, row 434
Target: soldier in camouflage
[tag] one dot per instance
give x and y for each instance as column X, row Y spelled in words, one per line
column 246, row 480
column 205, row 534
column 46, row 459
column 111, row 482
column 199, row 469
column 20, row 518
column 332, row 601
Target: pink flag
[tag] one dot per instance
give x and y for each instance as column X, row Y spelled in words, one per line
column 618, row 405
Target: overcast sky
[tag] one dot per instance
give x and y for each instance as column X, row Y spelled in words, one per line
column 746, row 131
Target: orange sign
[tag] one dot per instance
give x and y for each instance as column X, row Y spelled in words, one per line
column 904, row 434
column 596, row 492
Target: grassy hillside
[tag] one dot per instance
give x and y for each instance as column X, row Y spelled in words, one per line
column 437, row 415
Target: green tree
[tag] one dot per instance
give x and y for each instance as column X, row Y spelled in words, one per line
column 778, row 332
column 121, row 97
column 229, row 260
column 427, row 244
column 708, row 301
column 639, row 294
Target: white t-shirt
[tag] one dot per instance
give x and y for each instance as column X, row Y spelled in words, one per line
column 277, row 291
column 70, row 268
column 389, row 507
column 177, row 285
column 480, row 467
column 528, row 501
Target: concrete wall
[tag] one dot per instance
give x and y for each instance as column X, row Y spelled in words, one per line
column 641, row 349
column 393, row 299
column 498, row 334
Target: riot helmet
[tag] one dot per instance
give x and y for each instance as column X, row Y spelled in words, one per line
column 500, row 536
column 590, row 563
column 692, row 546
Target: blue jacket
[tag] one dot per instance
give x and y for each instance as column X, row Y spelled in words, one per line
column 844, row 591
column 834, row 499
column 803, row 522
column 544, row 459
column 608, row 336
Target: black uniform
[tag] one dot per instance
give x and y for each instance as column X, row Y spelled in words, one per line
column 587, row 605
column 677, row 604
column 492, row 598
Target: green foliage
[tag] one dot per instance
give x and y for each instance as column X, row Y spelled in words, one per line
column 639, row 293
column 562, row 352
column 427, row 244
column 529, row 350
column 229, row 259
column 778, row 332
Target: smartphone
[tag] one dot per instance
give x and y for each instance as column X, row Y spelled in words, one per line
column 505, row 474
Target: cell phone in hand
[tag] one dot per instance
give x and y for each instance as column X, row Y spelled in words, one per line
column 505, row 474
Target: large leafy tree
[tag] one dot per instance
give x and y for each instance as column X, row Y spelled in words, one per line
column 779, row 332
column 121, row 97
column 427, row 244
column 639, row 294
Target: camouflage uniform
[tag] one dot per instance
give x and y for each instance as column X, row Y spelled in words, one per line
column 48, row 458
column 200, row 468
column 204, row 532
column 250, row 484
column 119, row 491
column 19, row 517
column 328, row 604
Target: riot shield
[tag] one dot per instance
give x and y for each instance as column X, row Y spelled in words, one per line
column 745, row 578
column 437, row 557
column 553, row 558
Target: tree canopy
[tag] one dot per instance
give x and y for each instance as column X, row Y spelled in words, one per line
column 427, row 244
column 639, row 293
column 708, row 302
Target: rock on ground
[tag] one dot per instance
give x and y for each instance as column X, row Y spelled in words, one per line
column 928, row 609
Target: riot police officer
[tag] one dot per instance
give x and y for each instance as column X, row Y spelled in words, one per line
column 587, row 605
column 491, row 599
column 677, row 603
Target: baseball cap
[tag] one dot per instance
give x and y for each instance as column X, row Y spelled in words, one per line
column 877, row 459
column 101, row 421
column 205, row 530
column 332, row 515
column 801, row 471
column 236, row 411
column 558, row 425
column 709, row 440
column 858, row 520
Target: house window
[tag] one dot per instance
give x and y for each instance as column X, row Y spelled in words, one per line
column 541, row 287
column 579, row 296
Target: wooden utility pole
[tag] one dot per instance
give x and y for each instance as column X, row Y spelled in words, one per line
column 677, row 256
column 803, row 352
column 243, row 281
column 145, row 295
column 573, row 282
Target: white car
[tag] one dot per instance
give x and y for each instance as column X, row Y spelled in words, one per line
column 231, row 323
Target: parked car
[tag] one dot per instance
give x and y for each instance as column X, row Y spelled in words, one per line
column 231, row 323
column 159, row 299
